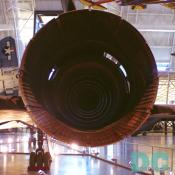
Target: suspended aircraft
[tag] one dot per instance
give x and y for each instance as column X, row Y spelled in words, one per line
column 135, row 4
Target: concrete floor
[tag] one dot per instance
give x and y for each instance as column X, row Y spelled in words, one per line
column 61, row 165
column 16, row 164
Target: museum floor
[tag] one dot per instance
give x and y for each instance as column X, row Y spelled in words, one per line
column 14, row 156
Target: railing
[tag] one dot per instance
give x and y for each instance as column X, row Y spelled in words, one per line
column 124, row 150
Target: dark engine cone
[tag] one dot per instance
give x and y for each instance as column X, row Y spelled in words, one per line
column 88, row 77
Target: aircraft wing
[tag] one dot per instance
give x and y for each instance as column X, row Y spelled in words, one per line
column 159, row 113
column 13, row 113
column 12, row 109
column 163, row 109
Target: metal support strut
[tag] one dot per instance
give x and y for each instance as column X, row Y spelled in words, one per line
column 39, row 160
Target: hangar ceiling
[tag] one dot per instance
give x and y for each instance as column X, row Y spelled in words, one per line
column 156, row 23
